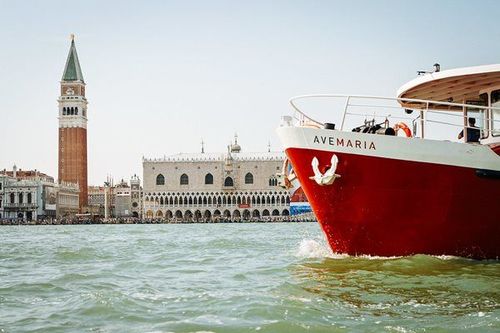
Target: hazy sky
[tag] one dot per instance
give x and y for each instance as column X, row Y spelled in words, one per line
column 161, row 75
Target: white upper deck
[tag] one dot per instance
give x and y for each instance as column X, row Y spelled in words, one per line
column 458, row 85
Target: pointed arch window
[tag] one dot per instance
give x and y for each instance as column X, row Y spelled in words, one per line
column 160, row 179
column 249, row 178
column 228, row 182
column 184, row 179
column 273, row 181
column 209, row 179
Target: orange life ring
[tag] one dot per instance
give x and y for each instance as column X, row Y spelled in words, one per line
column 404, row 127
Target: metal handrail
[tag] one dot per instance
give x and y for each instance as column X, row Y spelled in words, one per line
column 428, row 106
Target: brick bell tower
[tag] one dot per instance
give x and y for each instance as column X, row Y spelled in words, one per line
column 73, row 126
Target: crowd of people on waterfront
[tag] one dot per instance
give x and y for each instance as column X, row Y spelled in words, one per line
column 135, row 220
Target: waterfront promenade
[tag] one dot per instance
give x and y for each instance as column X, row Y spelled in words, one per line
column 309, row 217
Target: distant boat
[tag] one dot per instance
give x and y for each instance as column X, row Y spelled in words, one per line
column 383, row 187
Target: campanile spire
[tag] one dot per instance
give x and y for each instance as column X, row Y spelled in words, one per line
column 72, row 70
column 73, row 125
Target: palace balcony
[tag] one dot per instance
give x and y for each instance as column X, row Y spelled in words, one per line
column 20, row 206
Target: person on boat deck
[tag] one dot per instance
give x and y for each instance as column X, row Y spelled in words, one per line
column 473, row 133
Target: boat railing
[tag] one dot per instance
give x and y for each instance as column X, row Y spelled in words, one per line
column 418, row 112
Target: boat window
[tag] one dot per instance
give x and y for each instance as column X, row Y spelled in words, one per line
column 479, row 116
column 485, row 121
column 495, row 114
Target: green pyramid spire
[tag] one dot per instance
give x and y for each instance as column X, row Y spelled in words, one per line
column 72, row 70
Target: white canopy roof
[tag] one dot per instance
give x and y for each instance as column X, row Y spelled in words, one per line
column 454, row 85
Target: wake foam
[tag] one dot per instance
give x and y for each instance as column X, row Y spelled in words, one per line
column 310, row 248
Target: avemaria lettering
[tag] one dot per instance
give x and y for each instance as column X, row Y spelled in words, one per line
column 348, row 143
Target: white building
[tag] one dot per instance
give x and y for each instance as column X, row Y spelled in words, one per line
column 123, row 200
column 33, row 195
column 68, row 199
column 215, row 186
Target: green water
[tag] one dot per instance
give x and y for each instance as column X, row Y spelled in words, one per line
column 230, row 278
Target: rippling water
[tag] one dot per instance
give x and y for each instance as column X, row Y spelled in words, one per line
column 230, row 278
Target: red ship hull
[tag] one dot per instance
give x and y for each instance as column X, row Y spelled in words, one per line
column 389, row 207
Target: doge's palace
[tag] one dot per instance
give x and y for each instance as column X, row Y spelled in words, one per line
column 235, row 186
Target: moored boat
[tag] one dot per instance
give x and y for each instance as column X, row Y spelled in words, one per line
column 384, row 186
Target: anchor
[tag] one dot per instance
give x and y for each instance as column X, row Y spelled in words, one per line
column 329, row 176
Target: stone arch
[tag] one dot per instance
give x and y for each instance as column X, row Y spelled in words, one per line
column 197, row 215
column 285, row 212
column 188, row 215
column 265, row 212
column 176, row 201
column 178, row 214
column 185, row 201
column 168, row 214
column 283, row 200
column 184, row 180
column 227, row 214
column 159, row 213
column 171, row 201
column 236, row 214
column 207, row 215
column 209, row 201
column 205, row 201
column 161, row 200
column 209, row 179
column 217, row 213
column 135, row 214
column 255, row 214
column 246, row 214
column 149, row 214
column 276, row 212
